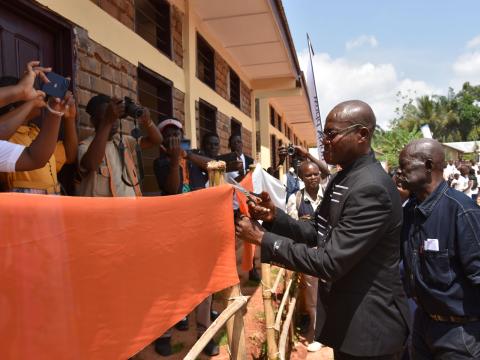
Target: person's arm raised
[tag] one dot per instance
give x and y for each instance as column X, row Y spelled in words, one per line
column 10, row 122
column 24, row 90
column 96, row 151
column 174, row 152
column 70, row 141
column 153, row 136
column 42, row 148
column 322, row 165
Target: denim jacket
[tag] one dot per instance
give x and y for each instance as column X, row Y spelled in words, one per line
column 441, row 252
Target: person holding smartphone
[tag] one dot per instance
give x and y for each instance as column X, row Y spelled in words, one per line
column 16, row 101
column 21, row 119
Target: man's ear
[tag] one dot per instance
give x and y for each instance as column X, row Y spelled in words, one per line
column 429, row 164
column 364, row 135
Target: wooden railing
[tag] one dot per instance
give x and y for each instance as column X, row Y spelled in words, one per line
column 232, row 297
column 277, row 331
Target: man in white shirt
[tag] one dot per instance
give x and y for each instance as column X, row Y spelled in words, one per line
column 449, row 170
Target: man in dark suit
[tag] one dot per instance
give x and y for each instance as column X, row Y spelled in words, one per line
column 357, row 233
column 244, row 161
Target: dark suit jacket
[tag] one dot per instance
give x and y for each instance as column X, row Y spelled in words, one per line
column 357, row 231
column 233, row 156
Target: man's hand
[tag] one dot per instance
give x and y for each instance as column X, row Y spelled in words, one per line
column 235, row 165
column 60, row 105
column 301, row 151
column 27, row 81
column 145, row 121
column 174, row 150
column 38, row 101
column 248, row 230
column 264, row 210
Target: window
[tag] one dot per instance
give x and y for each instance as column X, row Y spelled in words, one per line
column 205, row 62
column 272, row 116
column 279, row 123
column 235, row 127
column 289, row 133
column 207, row 115
column 273, row 150
column 155, row 94
column 234, row 88
column 152, row 22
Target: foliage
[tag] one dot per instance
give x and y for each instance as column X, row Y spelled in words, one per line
column 451, row 117
column 454, row 117
column 388, row 144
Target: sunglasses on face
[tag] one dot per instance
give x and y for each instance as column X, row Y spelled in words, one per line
column 330, row 134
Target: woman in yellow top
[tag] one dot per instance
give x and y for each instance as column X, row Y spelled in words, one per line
column 43, row 180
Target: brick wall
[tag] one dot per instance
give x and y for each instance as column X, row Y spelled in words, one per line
column 223, row 131
column 221, row 77
column 245, row 99
column 98, row 70
column 222, row 85
column 179, row 105
column 176, row 21
column 247, row 142
column 122, row 10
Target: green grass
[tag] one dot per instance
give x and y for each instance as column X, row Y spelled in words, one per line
column 223, row 340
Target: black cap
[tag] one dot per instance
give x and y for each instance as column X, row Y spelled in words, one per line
column 95, row 102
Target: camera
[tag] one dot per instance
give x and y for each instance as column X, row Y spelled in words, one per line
column 291, row 150
column 132, row 109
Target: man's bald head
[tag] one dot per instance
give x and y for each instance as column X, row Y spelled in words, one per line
column 354, row 112
column 421, row 167
column 424, row 150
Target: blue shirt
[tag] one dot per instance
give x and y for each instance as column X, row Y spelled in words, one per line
column 441, row 252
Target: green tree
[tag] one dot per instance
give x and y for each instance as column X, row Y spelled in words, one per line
column 455, row 117
column 388, row 144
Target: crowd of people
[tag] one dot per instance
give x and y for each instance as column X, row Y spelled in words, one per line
column 107, row 163
column 346, row 233
column 463, row 176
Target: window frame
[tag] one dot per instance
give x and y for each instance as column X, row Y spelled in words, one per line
column 203, row 130
column 201, row 42
column 235, row 78
column 148, row 75
column 169, row 50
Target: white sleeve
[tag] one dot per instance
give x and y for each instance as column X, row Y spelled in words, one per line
column 9, row 154
column 292, row 206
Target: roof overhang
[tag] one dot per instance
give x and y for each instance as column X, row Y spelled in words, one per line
column 255, row 34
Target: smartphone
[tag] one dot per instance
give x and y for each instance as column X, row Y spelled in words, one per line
column 57, row 87
column 185, row 144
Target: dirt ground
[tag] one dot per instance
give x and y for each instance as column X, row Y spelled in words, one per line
column 254, row 331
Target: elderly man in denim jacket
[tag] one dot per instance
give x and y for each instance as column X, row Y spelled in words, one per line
column 441, row 254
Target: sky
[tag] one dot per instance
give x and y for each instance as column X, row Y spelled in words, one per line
column 372, row 49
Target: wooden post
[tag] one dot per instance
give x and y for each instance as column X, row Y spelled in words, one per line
column 216, row 325
column 235, row 327
column 272, row 348
column 282, row 344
